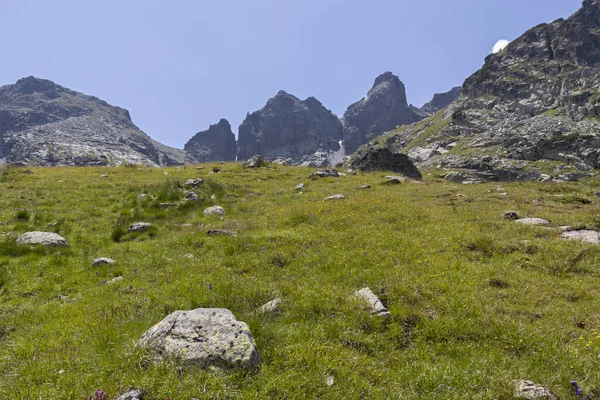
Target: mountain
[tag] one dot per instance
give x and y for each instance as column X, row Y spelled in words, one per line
column 215, row 144
column 42, row 123
column 532, row 106
column 440, row 101
column 288, row 127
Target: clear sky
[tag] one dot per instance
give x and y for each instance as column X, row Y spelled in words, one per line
column 179, row 66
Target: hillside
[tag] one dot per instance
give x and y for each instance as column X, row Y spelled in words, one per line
column 532, row 109
column 475, row 300
column 42, row 123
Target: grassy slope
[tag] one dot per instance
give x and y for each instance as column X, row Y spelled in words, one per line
column 476, row 301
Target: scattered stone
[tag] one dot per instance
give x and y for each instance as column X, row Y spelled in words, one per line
column 299, row 186
column 200, row 167
column 372, row 302
column 142, row 196
column 382, row 159
column 336, row 197
column 205, row 337
column 392, row 181
column 190, row 196
column 139, row 227
column 168, row 205
column 364, row 187
column 511, row 215
column 114, row 280
column 194, row 182
column 573, row 176
column 53, row 224
column 350, row 171
column 104, row 176
column 254, row 162
column 329, row 381
column 189, row 255
column 584, row 236
column 324, row 173
column 270, row 307
column 216, row 210
column 532, row 391
column 544, row 178
column 218, row 232
column 42, row 238
column 533, row 221
column 132, row 394
column 103, row 261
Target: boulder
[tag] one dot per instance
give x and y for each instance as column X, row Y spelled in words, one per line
column 533, row 221
column 583, row 236
column 194, row 182
column 532, row 391
column 372, row 302
column 131, row 394
column 42, row 238
column 382, row 159
column 216, row 210
column 270, row 307
column 254, row 162
column 325, row 173
column 103, row 261
column 190, row 196
column 139, row 227
column 205, row 337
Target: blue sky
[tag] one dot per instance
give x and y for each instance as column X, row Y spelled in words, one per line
column 180, row 66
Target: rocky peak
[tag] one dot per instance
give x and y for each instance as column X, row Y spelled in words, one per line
column 31, row 85
column 215, row 144
column 388, row 84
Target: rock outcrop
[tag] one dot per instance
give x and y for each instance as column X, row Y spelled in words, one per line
column 215, row 144
column 537, row 99
column 439, row 102
column 384, row 109
column 289, row 128
column 381, row 159
column 42, row 123
column 42, row 238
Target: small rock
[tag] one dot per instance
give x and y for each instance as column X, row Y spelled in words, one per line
column 572, row 176
column 139, row 227
column 191, row 196
column 351, row 172
column 132, row 394
column 324, row 173
column 168, row 205
column 329, row 381
column 189, row 255
column 299, row 186
column 372, row 302
column 218, row 232
column 511, row 215
column 114, row 280
column 103, row 261
column 142, row 196
column 216, row 210
column 532, row 391
column 533, row 221
column 104, row 176
column 42, row 238
column 544, row 178
column 205, row 337
column 254, row 162
column 194, row 182
column 270, row 307
column 364, row 187
column 336, row 197
column 396, row 177
column 392, row 181
column 583, row 236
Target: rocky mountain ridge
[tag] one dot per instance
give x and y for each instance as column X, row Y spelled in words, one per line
column 531, row 111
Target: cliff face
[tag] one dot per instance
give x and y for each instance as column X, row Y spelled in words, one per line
column 538, row 99
column 215, row 144
column 42, row 123
column 289, row 128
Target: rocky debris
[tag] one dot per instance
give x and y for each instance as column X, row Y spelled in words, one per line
column 583, row 236
column 299, row 186
column 382, row 159
column 336, row 197
column 216, row 210
column 190, row 196
column 372, row 302
column 131, row 394
column 205, row 337
column 270, row 307
column 43, row 239
column 532, row 391
column 575, row 176
column 103, row 261
column 194, row 182
column 254, row 162
column 42, row 123
column 215, row 144
column 325, row 173
column 287, row 127
column 220, row 232
column 362, row 187
column 114, row 280
column 533, row 221
column 384, row 108
column 139, row 227
column 511, row 215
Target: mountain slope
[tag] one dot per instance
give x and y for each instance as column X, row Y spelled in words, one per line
column 42, row 123
column 537, row 100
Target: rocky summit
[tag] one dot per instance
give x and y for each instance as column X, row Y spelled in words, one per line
column 536, row 101
column 290, row 128
column 42, row 123
column 215, row 144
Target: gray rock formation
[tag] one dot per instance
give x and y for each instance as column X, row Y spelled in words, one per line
column 215, row 210
column 139, row 227
column 43, row 239
column 289, row 128
column 382, row 159
column 384, row 109
column 42, row 123
column 215, row 144
column 533, row 221
column 205, row 337
column 103, row 261
column 532, row 391
column 592, row 237
column 537, row 99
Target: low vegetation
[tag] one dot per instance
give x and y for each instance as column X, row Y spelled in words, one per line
column 476, row 301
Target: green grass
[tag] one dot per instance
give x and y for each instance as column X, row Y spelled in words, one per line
column 476, row 301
